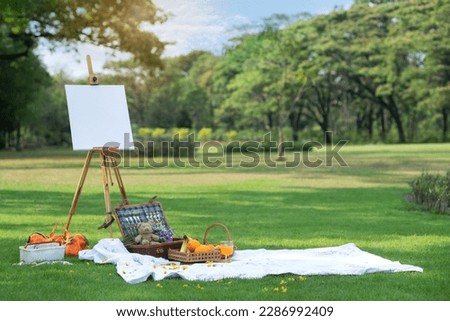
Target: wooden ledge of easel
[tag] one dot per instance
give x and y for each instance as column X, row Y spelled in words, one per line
column 110, row 151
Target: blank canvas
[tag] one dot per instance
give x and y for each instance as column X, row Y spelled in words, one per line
column 98, row 117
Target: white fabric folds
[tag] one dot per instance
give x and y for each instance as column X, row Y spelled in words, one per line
column 347, row 259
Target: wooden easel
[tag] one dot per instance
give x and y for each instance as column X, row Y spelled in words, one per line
column 108, row 162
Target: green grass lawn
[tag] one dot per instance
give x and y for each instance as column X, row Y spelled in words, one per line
column 263, row 207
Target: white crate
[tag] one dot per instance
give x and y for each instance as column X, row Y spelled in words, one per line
column 42, row 252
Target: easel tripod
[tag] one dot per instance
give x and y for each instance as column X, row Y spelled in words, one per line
column 108, row 165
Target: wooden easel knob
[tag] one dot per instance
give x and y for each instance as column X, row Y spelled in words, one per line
column 92, row 79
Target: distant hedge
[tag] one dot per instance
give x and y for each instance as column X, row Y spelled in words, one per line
column 432, row 192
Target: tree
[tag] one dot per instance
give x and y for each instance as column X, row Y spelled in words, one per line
column 17, row 92
column 139, row 83
column 436, row 63
column 229, row 113
column 377, row 66
column 263, row 88
column 121, row 25
column 319, row 72
column 384, row 52
column 49, row 123
column 176, row 96
column 117, row 24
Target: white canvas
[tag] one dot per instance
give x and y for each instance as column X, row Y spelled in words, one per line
column 98, row 117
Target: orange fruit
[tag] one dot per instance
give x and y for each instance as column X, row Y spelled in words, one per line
column 192, row 245
column 203, row 248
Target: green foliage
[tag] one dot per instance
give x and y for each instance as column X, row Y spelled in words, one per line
column 50, row 125
column 376, row 72
column 144, row 133
column 432, row 191
column 22, row 98
column 156, row 142
column 158, row 133
column 204, row 134
column 36, row 113
column 181, row 133
column 232, row 135
column 114, row 24
column 177, row 96
column 371, row 63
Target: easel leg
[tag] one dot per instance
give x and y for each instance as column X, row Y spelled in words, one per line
column 107, row 161
column 119, row 181
column 106, row 193
column 77, row 194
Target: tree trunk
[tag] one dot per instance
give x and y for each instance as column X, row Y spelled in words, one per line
column 325, row 128
column 328, row 137
column 270, row 119
column 9, row 139
column 393, row 110
column 18, row 138
column 370, row 122
column 444, row 124
column 2, row 140
column 280, row 150
column 382, row 124
column 294, row 120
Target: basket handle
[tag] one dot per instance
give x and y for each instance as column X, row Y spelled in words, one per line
column 205, row 237
column 43, row 242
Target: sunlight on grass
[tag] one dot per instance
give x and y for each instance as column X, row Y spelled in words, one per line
column 273, row 208
column 413, row 243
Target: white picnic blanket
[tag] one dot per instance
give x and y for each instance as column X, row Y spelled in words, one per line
column 347, row 259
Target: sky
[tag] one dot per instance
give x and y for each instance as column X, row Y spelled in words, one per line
column 192, row 25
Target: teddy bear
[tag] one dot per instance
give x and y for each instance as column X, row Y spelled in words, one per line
column 146, row 235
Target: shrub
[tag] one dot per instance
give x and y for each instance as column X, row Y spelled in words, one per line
column 181, row 132
column 157, row 142
column 432, row 191
column 144, row 132
column 204, row 134
column 232, row 135
column 158, row 133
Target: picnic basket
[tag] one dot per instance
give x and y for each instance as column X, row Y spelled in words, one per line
column 129, row 216
column 213, row 255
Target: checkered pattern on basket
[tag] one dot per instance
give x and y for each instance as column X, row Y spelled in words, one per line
column 131, row 215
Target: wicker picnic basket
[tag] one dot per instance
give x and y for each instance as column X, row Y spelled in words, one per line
column 213, row 255
column 129, row 216
column 156, row 250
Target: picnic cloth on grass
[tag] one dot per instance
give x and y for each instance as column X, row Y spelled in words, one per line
column 347, row 259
